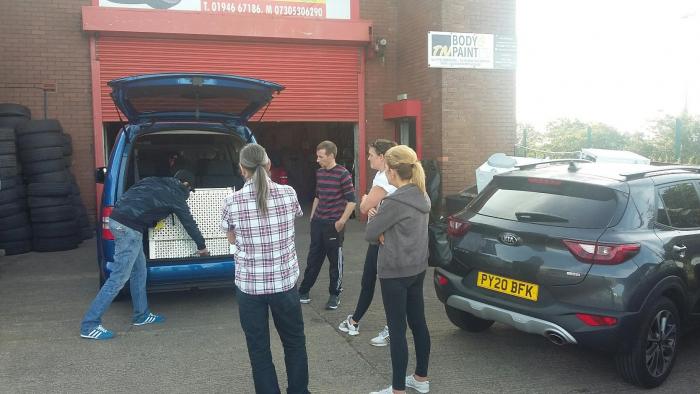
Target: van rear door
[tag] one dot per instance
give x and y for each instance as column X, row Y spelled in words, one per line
column 191, row 97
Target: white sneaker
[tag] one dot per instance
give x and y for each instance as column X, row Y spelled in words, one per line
column 421, row 387
column 388, row 390
column 346, row 326
column 382, row 339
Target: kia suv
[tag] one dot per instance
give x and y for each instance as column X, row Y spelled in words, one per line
column 600, row 255
column 202, row 118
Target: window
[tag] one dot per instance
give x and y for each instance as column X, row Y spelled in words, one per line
column 563, row 204
column 682, row 205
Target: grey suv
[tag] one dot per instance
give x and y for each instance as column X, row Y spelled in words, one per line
column 605, row 256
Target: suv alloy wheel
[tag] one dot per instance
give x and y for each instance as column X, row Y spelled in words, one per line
column 654, row 350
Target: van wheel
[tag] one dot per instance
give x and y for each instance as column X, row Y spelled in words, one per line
column 655, row 346
column 466, row 321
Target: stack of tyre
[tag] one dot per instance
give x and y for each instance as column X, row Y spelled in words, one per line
column 15, row 228
column 50, row 186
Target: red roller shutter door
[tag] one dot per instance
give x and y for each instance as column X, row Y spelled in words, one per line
column 321, row 80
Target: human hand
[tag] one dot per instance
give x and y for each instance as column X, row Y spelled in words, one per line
column 372, row 212
column 339, row 225
column 203, row 252
column 381, row 239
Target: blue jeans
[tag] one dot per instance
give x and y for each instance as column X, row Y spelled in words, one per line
column 129, row 264
column 286, row 314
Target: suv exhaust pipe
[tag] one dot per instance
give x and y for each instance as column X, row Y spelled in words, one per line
column 555, row 337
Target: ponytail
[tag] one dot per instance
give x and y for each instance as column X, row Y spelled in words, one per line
column 254, row 159
column 418, row 176
column 405, row 162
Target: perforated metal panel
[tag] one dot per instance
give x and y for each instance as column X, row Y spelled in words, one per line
column 172, row 241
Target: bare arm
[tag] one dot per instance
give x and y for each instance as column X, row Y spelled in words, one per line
column 372, row 200
column 313, row 208
column 340, row 224
column 231, row 236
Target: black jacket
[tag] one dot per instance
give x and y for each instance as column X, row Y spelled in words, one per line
column 152, row 199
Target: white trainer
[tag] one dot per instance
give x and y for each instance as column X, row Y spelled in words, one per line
column 421, row 387
column 347, row 326
column 382, row 339
column 388, row 390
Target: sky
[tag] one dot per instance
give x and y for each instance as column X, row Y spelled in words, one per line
column 619, row 62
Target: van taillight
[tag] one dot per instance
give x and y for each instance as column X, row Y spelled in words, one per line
column 457, row 227
column 106, row 233
column 601, row 253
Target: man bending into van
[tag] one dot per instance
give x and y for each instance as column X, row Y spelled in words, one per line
column 142, row 206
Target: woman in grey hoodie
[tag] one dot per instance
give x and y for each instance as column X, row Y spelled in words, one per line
column 401, row 228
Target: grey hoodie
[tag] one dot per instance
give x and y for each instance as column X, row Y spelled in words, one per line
column 403, row 219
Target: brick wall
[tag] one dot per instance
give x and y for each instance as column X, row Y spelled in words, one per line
column 478, row 106
column 42, row 41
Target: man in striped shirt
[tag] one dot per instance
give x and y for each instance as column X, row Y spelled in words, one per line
column 333, row 205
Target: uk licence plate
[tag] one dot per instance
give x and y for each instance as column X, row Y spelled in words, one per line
column 515, row 288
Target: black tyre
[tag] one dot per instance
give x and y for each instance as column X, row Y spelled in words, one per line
column 67, row 144
column 7, row 134
column 41, row 154
column 12, row 122
column 57, row 213
column 16, row 247
column 58, row 176
column 17, row 220
column 10, row 182
column 7, row 148
column 6, row 172
column 9, row 109
column 56, row 229
column 55, row 244
column 42, row 167
column 655, row 345
column 466, row 321
column 8, row 160
column 39, row 126
column 16, row 234
column 60, row 189
column 42, row 202
column 40, row 140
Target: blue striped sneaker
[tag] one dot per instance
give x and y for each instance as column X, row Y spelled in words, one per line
column 98, row 333
column 149, row 319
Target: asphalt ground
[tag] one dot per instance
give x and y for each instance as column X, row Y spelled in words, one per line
column 201, row 347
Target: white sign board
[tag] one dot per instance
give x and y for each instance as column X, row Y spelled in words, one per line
column 470, row 50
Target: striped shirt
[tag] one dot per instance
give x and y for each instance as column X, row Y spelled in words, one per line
column 266, row 258
column 334, row 190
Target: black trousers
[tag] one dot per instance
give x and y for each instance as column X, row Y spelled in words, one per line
column 369, row 280
column 325, row 242
column 403, row 300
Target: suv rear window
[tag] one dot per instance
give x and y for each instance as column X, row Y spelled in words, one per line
column 550, row 202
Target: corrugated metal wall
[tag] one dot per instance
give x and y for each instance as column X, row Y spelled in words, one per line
column 321, row 81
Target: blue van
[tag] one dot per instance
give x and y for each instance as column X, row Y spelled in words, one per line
column 196, row 119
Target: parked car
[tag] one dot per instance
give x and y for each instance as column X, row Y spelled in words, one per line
column 600, row 255
column 201, row 116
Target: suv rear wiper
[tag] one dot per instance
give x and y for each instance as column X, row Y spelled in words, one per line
column 539, row 217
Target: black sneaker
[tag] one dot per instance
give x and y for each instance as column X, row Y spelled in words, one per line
column 304, row 298
column 333, row 302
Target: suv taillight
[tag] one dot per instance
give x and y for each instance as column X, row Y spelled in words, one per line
column 106, row 233
column 457, row 227
column 600, row 253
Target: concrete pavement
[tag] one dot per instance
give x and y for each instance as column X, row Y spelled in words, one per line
column 201, row 347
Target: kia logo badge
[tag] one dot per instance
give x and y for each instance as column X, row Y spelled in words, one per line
column 509, row 239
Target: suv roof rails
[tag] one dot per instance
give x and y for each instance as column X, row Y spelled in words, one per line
column 558, row 161
column 642, row 174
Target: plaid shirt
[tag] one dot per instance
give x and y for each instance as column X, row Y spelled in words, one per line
column 266, row 258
